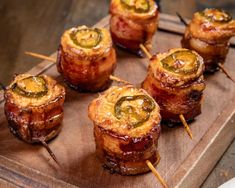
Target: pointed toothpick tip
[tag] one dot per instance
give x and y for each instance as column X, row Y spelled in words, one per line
column 45, row 145
column 40, row 56
column 225, row 72
column 182, row 19
column 186, row 126
column 114, row 78
column 146, row 52
column 156, row 174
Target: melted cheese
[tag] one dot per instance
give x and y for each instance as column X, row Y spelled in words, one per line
column 101, row 111
column 101, row 50
column 116, row 7
column 54, row 90
column 171, row 78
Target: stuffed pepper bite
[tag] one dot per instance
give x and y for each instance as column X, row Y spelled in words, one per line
column 133, row 22
column 126, row 129
column 208, row 34
column 34, row 107
column 175, row 80
column 86, row 58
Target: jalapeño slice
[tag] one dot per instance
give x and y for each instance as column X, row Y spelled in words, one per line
column 139, row 6
column 217, row 15
column 181, row 62
column 130, row 113
column 31, row 87
column 86, row 37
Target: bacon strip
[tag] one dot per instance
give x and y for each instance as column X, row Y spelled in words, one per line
column 175, row 93
column 120, row 147
column 35, row 119
column 86, row 69
column 210, row 39
column 130, row 29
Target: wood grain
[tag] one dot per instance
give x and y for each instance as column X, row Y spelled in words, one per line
column 37, row 26
column 224, row 169
column 183, row 162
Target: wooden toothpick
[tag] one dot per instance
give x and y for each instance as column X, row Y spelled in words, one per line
column 45, row 145
column 114, row 78
column 225, row 72
column 181, row 116
column 186, row 126
column 143, row 48
column 182, row 19
column 156, row 174
column 40, row 56
column 219, row 64
column 162, row 181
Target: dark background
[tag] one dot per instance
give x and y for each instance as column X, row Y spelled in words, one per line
column 36, row 25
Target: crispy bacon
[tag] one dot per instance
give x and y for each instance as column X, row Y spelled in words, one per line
column 209, row 38
column 86, row 69
column 35, row 119
column 129, row 29
column 121, row 148
column 175, row 93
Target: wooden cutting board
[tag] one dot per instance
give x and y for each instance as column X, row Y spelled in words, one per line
column 184, row 162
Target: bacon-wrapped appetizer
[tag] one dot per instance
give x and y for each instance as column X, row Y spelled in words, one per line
column 208, row 34
column 86, row 58
column 126, row 129
column 175, row 80
column 133, row 22
column 34, row 107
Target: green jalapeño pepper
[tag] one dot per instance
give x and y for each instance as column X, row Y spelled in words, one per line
column 181, row 62
column 139, row 6
column 86, row 38
column 31, row 87
column 216, row 15
column 130, row 113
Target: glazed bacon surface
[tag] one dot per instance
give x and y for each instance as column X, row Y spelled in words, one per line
column 34, row 107
column 86, row 58
column 133, row 23
column 126, row 129
column 208, row 34
column 175, row 80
